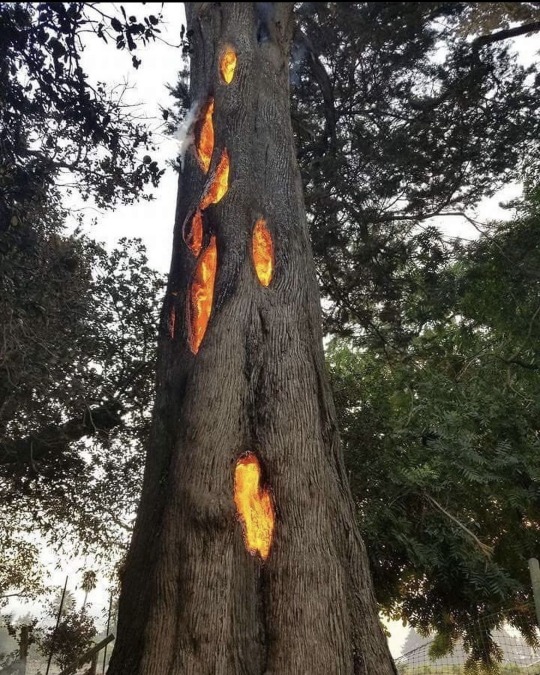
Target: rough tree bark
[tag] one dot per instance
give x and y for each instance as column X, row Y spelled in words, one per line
column 194, row 601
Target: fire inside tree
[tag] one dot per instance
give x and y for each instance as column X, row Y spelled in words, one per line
column 246, row 557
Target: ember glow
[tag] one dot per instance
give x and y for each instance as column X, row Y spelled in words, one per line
column 194, row 236
column 220, row 183
column 205, row 143
column 254, row 506
column 172, row 321
column 227, row 64
column 263, row 252
column 201, row 295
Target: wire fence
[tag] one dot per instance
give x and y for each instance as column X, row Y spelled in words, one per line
column 500, row 651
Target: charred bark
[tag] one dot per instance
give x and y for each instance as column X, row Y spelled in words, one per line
column 194, row 601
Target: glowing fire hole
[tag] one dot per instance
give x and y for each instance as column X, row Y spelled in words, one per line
column 219, row 184
column 201, row 295
column 227, row 64
column 254, row 506
column 205, row 143
column 172, row 321
column 263, row 252
column 194, row 235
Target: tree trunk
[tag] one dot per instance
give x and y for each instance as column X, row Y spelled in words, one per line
column 194, row 599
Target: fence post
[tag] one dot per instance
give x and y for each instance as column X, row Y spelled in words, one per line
column 57, row 622
column 93, row 665
column 23, row 649
column 534, row 569
column 90, row 655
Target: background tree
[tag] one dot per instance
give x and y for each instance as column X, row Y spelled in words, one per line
column 416, row 115
column 11, row 640
column 21, row 570
column 492, row 21
column 54, row 122
column 410, row 120
column 442, row 445
column 89, row 583
column 77, row 356
column 73, row 636
column 77, row 386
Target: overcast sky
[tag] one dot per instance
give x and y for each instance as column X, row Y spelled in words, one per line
column 151, row 221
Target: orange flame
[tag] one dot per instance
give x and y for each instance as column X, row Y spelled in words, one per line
column 254, row 506
column 263, row 252
column 205, row 145
column 227, row 64
column 194, row 236
column 220, row 183
column 202, row 294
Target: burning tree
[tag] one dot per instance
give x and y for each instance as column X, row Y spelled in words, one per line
column 246, row 557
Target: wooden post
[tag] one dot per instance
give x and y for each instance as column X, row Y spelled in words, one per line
column 57, row 622
column 108, row 628
column 23, row 649
column 534, row 569
column 90, row 655
column 93, row 665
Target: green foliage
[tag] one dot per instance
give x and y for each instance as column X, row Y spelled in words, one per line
column 399, row 118
column 89, row 581
column 76, row 385
column 442, row 441
column 61, row 601
column 435, row 369
column 70, row 639
column 78, row 323
column 20, row 572
column 484, row 17
column 54, row 120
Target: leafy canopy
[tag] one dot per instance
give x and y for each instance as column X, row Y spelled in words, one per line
column 442, row 440
column 54, row 120
column 78, row 323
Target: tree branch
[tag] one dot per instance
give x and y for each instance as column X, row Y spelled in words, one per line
column 321, row 77
column 518, row 362
column 54, row 439
column 505, row 34
column 486, row 550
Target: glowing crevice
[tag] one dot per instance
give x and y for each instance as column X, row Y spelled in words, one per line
column 193, row 236
column 172, row 321
column 254, row 506
column 220, row 183
column 263, row 252
column 227, row 64
column 205, row 142
column 201, row 295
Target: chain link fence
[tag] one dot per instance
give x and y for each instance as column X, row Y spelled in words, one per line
column 501, row 651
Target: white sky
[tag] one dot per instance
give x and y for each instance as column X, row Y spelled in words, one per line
column 153, row 221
